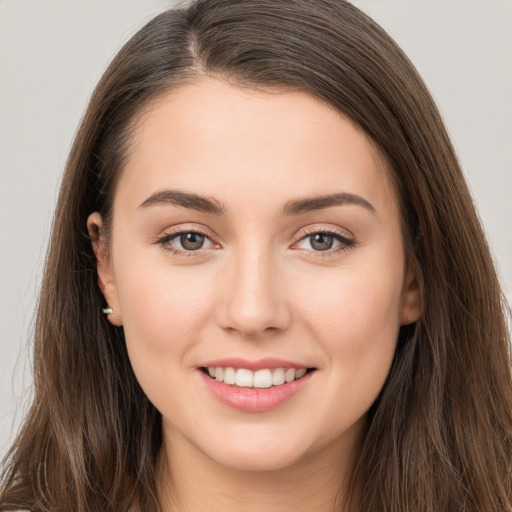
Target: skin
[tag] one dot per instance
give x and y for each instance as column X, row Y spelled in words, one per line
column 258, row 288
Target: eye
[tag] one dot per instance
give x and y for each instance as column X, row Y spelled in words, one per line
column 185, row 242
column 191, row 241
column 324, row 241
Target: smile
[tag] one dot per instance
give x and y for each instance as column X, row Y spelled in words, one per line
column 259, row 379
column 255, row 385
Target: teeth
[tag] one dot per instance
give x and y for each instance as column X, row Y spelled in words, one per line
column 244, row 378
column 299, row 373
column 219, row 374
column 262, row 379
column 278, row 377
column 229, row 376
column 289, row 375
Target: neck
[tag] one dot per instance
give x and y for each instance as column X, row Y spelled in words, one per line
column 190, row 481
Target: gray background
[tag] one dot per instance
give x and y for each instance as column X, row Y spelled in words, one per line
column 52, row 52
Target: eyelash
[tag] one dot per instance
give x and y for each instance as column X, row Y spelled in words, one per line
column 346, row 243
column 166, row 238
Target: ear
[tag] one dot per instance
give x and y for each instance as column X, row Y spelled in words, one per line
column 412, row 299
column 104, row 267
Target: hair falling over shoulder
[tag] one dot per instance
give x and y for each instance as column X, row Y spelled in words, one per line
column 439, row 436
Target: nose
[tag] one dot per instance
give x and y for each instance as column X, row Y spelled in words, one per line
column 254, row 301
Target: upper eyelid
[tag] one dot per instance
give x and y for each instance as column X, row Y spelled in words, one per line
column 313, row 230
column 171, row 232
column 301, row 234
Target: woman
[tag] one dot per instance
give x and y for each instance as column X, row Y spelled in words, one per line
column 267, row 286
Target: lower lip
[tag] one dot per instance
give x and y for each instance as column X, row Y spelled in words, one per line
column 253, row 399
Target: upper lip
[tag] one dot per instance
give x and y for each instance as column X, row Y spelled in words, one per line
column 258, row 364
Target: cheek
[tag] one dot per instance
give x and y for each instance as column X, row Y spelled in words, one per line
column 356, row 319
column 356, row 324
column 157, row 304
column 163, row 313
column 354, row 302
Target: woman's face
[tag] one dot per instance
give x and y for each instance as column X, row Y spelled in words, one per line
column 256, row 235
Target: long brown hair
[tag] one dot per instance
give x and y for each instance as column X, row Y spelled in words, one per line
column 439, row 436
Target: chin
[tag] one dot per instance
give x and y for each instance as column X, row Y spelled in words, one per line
column 263, row 461
column 259, row 454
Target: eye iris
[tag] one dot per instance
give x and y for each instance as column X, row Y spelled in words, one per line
column 322, row 241
column 192, row 241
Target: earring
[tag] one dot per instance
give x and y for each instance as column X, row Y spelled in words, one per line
column 108, row 311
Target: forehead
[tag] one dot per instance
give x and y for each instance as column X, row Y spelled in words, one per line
column 217, row 139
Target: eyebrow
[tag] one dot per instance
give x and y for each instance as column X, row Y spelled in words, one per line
column 185, row 200
column 308, row 204
column 291, row 208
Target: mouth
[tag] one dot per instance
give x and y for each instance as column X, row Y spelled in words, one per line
column 264, row 378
